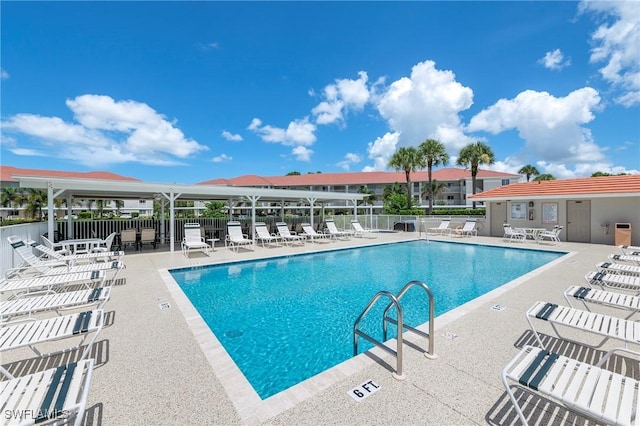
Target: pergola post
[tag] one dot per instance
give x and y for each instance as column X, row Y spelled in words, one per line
column 253, row 199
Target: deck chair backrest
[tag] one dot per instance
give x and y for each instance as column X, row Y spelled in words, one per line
column 147, row 234
column 357, row 226
column 26, row 253
column 192, row 232
column 469, row 226
column 234, row 230
column 308, row 229
column 261, row 230
column 108, row 242
column 444, row 224
column 128, row 235
column 331, row 226
column 283, row 229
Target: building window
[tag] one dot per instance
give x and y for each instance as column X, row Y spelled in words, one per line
column 505, row 182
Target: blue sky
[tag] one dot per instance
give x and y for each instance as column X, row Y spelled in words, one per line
column 191, row 91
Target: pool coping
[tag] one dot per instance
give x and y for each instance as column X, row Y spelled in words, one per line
column 248, row 404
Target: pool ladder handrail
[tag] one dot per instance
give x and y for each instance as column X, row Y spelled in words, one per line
column 395, row 301
column 430, row 353
column 357, row 332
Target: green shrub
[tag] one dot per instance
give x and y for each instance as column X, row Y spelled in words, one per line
column 85, row 215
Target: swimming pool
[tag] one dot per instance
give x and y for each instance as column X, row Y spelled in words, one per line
column 286, row 319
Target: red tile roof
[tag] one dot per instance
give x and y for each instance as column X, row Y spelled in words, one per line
column 354, row 178
column 627, row 184
column 7, row 173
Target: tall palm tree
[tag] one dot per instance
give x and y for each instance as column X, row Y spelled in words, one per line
column 471, row 156
column 409, row 160
column 435, row 154
column 529, row 171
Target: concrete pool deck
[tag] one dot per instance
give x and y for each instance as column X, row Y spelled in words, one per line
column 157, row 364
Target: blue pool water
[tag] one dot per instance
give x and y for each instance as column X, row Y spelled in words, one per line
column 286, row 319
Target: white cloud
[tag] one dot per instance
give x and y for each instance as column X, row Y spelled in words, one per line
column 28, row 152
column 343, row 95
column 550, row 126
column 301, row 153
column 425, row 105
column 221, row 158
column 554, row 60
column 108, row 132
column 349, row 159
column 299, row 132
column 3, row 74
column 231, row 137
column 616, row 42
column 381, row 150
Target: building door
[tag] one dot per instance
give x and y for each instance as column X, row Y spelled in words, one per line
column 498, row 218
column 579, row 221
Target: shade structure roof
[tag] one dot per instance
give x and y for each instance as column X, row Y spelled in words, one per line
column 109, row 189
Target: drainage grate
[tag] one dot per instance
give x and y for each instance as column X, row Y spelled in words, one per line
column 165, row 305
column 498, row 308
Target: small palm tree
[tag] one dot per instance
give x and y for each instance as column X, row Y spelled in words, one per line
column 435, row 154
column 544, row 176
column 436, row 189
column 409, row 160
column 529, row 171
column 471, row 156
column 370, row 196
column 36, row 201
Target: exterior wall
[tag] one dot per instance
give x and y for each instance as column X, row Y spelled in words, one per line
column 612, row 210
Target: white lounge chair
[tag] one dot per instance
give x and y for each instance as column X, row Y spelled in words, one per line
column 552, row 236
column 105, row 245
column 467, row 230
column 618, row 268
column 53, row 302
column 35, row 266
column 603, row 325
column 611, row 299
column 615, row 281
column 50, row 283
column 359, row 231
column 266, row 238
column 600, row 394
column 235, row 238
column 338, row 233
column 54, row 396
column 630, row 250
column 289, row 237
column 625, row 258
column 55, row 246
column 193, row 240
column 441, row 229
column 513, row 234
column 73, row 259
column 32, row 333
column 314, row 236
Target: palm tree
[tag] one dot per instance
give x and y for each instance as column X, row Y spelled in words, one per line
column 10, row 196
column 370, row 196
column 471, row 156
column 36, row 200
column 436, row 189
column 409, row 160
column 388, row 191
column 544, row 176
column 529, row 171
column 435, row 154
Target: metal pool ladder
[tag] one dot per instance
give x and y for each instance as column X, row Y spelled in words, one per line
column 395, row 301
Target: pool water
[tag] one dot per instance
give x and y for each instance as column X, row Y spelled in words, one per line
column 286, row 319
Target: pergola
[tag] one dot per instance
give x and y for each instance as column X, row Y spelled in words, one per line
column 117, row 189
